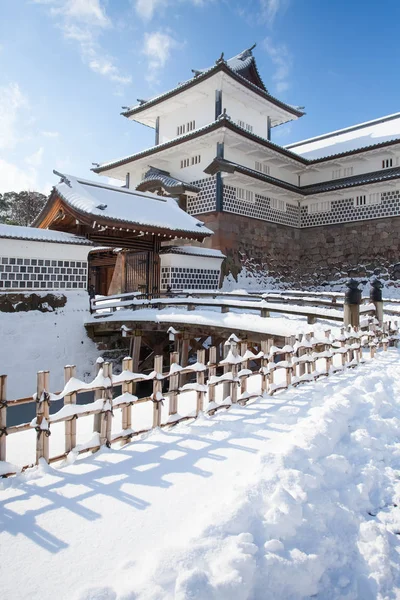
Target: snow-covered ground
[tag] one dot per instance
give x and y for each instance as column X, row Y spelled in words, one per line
column 293, row 496
column 33, row 341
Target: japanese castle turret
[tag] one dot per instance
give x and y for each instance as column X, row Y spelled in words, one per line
column 310, row 211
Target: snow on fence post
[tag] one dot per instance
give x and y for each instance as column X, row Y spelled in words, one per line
column 245, row 366
column 233, row 340
column 127, row 388
column 328, row 351
column 106, row 414
column 157, row 396
column 226, row 386
column 264, row 367
column 212, row 370
column 3, row 417
column 97, row 395
column 70, row 425
column 289, row 359
column 173, row 385
column 42, row 416
column 201, row 359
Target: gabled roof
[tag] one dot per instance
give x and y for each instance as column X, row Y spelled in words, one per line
column 227, row 166
column 156, row 178
column 118, row 205
column 378, row 132
column 34, row 234
column 241, row 67
column 244, row 64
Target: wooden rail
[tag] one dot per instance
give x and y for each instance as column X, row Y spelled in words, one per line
column 304, row 360
column 101, row 308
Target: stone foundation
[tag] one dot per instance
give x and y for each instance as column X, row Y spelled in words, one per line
column 10, row 302
column 313, row 256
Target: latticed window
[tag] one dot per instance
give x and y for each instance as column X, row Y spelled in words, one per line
column 246, row 195
column 278, row 204
column 262, row 167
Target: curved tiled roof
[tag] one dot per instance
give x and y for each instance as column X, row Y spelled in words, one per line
column 242, row 67
column 221, row 164
column 34, row 234
column 115, row 205
column 158, row 178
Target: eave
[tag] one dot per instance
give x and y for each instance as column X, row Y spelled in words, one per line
column 220, row 67
column 224, row 166
column 223, row 121
column 57, row 209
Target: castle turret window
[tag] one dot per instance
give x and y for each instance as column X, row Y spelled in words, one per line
column 387, row 163
column 262, row 167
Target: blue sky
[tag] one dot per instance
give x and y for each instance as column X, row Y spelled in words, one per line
column 67, row 67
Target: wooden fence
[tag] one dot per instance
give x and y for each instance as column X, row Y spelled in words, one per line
column 304, row 360
column 264, row 305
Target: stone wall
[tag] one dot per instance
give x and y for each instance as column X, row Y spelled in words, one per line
column 45, row 302
column 311, row 256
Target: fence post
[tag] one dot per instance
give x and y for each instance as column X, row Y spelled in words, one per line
column 352, row 301
column 127, row 388
column 226, row 386
column 212, row 370
column 201, row 357
column 264, row 366
column 376, row 297
column 70, row 425
column 245, row 366
column 173, row 385
column 3, row 417
column 106, row 414
column 97, row 395
column 157, row 391
column 42, row 416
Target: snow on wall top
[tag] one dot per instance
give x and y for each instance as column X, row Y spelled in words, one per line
column 358, row 136
column 193, row 250
column 130, row 206
column 40, row 235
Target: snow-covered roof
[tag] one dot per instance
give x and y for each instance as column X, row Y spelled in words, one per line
column 40, row 235
column 193, row 250
column 157, row 177
column 242, row 67
column 358, row 136
column 129, row 206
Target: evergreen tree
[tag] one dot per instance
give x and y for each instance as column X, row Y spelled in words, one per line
column 20, row 208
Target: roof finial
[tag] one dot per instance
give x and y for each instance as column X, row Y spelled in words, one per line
column 196, row 72
column 141, row 102
column 252, row 48
column 64, row 178
column 221, row 59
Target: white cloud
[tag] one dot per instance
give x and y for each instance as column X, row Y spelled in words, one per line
column 35, row 159
column 15, row 179
column 282, row 59
column 270, row 9
column 146, row 9
column 157, row 48
column 50, row 134
column 83, row 21
column 12, row 100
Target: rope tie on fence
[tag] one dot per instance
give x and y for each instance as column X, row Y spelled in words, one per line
column 3, row 431
column 3, row 404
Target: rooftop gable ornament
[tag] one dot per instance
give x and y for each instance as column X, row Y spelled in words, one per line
column 247, row 53
column 64, row 178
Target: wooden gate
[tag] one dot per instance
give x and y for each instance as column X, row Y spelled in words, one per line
column 143, row 272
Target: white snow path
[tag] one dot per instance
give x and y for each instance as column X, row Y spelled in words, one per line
column 290, row 497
